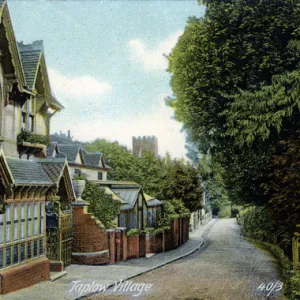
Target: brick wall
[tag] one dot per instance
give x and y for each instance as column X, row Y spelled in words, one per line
column 24, row 276
column 133, row 246
column 89, row 238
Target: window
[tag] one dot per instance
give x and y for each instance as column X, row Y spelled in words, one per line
column 16, row 255
column 28, row 115
column 29, row 250
column 41, row 231
column 8, row 256
column 35, row 248
column 8, row 224
column 22, row 252
column 29, row 220
column 21, row 221
column 22, row 230
column 1, row 229
column 16, row 222
column 23, row 124
column 100, row 176
column 36, row 221
column 77, row 172
column 41, row 247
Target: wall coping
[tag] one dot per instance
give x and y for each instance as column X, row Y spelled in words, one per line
column 90, row 254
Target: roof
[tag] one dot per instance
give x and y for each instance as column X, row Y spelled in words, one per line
column 26, row 172
column 70, row 150
column 128, row 194
column 30, row 57
column 108, row 191
column 154, row 202
column 53, row 167
column 116, row 183
column 51, row 148
column 91, row 158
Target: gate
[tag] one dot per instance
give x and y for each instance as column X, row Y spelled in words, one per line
column 59, row 232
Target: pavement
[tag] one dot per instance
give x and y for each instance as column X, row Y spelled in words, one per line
column 83, row 280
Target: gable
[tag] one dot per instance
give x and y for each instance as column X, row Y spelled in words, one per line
column 10, row 55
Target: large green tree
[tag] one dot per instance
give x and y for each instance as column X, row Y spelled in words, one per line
column 235, row 78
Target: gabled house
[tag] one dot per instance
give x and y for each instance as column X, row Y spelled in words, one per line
column 30, row 184
column 91, row 164
column 138, row 209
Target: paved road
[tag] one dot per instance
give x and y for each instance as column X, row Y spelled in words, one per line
column 226, row 268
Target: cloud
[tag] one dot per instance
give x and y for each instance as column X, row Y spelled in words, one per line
column 154, row 59
column 158, row 122
column 83, row 86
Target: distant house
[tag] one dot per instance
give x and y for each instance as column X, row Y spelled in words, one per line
column 138, row 210
column 91, row 164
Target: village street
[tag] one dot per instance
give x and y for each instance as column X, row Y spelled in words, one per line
column 226, row 267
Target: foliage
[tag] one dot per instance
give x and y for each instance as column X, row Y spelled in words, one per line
column 30, row 137
column 118, row 157
column 294, row 285
column 172, row 209
column 256, row 223
column 101, row 205
column 81, row 176
column 235, row 78
column 183, row 182
column 133, row 231
column 214, row 187
column 162, row 178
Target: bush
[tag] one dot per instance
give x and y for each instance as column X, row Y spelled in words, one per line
column 30, row 137
column 294, row 285
column 256, row 223
column 225, row 212
column 133, row 231
column 172, row 209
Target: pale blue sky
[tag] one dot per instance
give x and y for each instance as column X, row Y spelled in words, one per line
column 106, row 65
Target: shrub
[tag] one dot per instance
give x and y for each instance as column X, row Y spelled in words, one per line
column 172, row 209
column 294, row 285
column 256, row 223
column 30, row 137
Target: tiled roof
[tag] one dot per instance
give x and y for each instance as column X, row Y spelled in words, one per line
column 92, row 158
column 50, row 149
column 69, row 150
column 128, row 195
column 53, row 167
column 28, row 172
column 30, row 56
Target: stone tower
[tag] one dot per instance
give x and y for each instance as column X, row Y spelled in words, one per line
column 145, row 143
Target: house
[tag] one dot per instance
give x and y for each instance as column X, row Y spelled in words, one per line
column 91, row 164
column 138, row 209
column 35, row 192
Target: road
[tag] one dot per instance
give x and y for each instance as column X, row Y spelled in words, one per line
column 227, row 267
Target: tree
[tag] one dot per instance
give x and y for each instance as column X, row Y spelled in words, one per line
column 118, row 157
column 235, row 78
column 183, row 183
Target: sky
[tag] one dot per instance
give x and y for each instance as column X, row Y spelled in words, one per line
column 106, row 64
